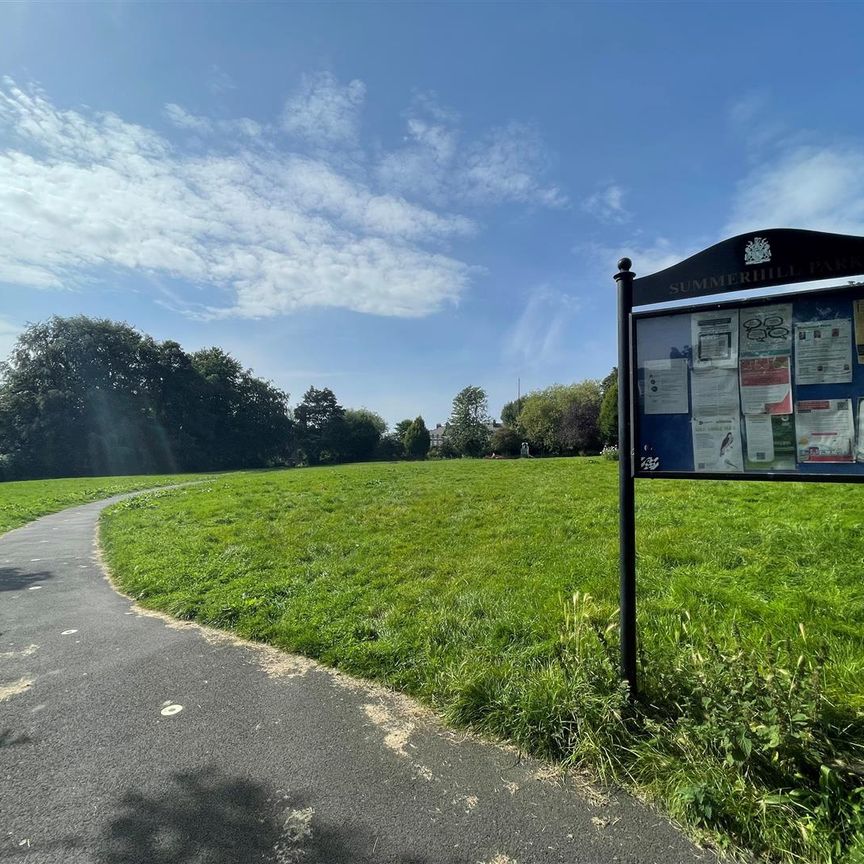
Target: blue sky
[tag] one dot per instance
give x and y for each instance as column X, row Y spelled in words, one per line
column 394, row 200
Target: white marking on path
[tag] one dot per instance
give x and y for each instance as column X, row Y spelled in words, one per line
column 7, row 691
column 34, row 588
column 68, row 632
column 170, row 709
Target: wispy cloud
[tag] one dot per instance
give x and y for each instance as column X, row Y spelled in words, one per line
column 539, row 333
column 260, row 228
column 821, row 188
column 507, row 164
column 220, row 81
column 607, row 204
column 323, row 111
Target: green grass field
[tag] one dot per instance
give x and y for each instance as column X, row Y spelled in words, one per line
column 25, row 500
column 489, row 590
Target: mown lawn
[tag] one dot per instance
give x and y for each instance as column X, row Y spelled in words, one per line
column 25, row 500
column 489, row 590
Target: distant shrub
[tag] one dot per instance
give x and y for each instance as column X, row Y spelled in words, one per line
column 610, row 452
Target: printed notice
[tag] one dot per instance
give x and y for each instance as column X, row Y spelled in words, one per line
column 766, row 331
column 859, row 329
column 766, row 385
column 666, row 386
column 770, row 442
column 823, row 352
column 717, row 444
column 715, row 392
column 860, row 451
column 824, row 430
column 715, row 339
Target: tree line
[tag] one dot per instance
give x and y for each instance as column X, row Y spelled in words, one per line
column 562, row 420
column 87, row 397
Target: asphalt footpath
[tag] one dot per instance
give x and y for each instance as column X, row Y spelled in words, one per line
column 130, row 737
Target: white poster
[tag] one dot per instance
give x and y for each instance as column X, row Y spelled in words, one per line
column 859, row 329
column 823, row 352
column 717, row 444
column 715, row 339
column 715, row 392
column 824, row 430
column 766, row 385
column 766, row 331
column 760, row 438
column 665, row 386
column 860, row 450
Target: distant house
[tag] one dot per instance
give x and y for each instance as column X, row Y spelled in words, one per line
column 436, row 435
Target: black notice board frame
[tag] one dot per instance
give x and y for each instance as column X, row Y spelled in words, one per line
column 850, row 291
column 774, row 257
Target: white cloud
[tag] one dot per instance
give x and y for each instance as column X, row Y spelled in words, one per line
column 505, row 165
column 324, row 111
column 648, row 256
column 539, row 334
column 180, row 118
column 271, row 231
column 820, row 188
column 257, row 227
column 607, row 204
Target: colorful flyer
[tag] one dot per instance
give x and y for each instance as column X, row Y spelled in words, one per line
column 770, row 442
column 766, row 385
column 717, row 445
column 823, row 352
column 665, row 386
column 714, row 339
column 824, row 430
column 766, row 331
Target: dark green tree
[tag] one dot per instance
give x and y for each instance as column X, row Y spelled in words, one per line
column 362, row 432
column 609, row 415
column 468, row 430
column 320, row 426
column 416, row 439
column 580, row 428
column 510, row 413
column 506, row 441
column 81, row 396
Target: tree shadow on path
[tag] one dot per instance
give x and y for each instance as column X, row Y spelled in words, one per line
column 205, row 816
column 15, row 579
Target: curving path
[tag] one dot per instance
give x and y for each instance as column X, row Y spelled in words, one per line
column 128, row 737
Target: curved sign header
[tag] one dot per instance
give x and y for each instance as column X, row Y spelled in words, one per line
column 758, row 259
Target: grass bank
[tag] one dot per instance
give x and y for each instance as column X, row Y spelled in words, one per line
column 25, row 500
column 489, row 590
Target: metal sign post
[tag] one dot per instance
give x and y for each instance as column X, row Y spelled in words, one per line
column 626, row 498
column 788, row 410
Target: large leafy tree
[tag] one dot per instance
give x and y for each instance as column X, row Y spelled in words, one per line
column 362, row 432
column 81, row 396
column 608, row 420
column 563, row 419
column 320, row 426
column 468, row 428
column 510, row 413
column 416, row 439
column 580, row 428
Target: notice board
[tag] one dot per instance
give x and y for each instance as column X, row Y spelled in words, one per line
column 767, row 388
